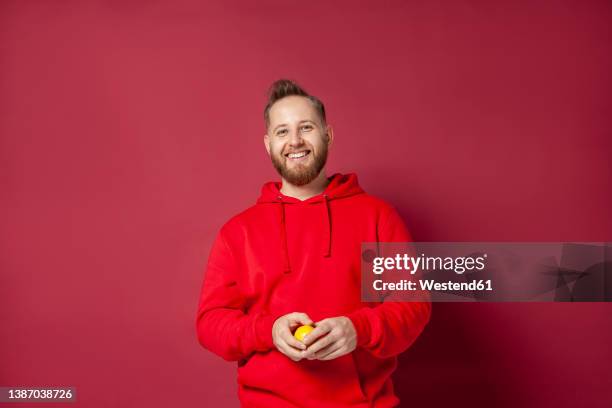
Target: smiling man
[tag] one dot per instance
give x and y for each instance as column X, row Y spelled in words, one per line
column 294, row 259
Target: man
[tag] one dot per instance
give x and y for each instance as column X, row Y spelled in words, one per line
column 293, row 259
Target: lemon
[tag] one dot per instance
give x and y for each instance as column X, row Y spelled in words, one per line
column 302, row 331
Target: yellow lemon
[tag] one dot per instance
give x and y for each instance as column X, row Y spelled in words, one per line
column 302, row 331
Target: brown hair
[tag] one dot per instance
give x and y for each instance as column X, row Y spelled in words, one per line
column 286, row 87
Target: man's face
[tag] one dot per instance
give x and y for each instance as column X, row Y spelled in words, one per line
column 297, row 141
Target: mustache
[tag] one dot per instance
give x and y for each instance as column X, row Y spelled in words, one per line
column 302, row 174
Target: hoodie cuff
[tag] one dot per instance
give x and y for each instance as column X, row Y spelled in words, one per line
column 263, row 331
column 360, row 320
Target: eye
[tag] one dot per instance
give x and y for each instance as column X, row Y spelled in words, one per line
column 307, row 127
column 281, row 132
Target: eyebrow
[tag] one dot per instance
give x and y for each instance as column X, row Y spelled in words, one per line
column 284, row 124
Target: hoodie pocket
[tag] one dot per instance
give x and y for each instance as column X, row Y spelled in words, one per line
column 357, row 376
column 311, row 382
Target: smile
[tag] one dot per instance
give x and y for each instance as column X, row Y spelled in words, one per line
column 298, row 155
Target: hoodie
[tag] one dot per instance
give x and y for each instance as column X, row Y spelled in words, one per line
column 284, row 255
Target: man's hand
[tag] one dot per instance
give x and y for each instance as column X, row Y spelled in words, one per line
column 331, row 338
column 283, row 338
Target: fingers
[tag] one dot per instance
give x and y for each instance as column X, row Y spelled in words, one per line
column 289, row 351
column 298, row 318
column 322, row 328
column 331, row 338
column 283, row 338
column 320, row 345
column 338, row 352
column 288, row 338
column 327, row 341
column 322, row 352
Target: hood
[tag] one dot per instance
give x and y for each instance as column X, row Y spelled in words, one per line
column 340, row 186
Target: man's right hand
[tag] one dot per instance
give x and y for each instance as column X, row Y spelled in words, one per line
column 283, row 338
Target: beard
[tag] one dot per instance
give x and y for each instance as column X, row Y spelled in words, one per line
column 301, row 174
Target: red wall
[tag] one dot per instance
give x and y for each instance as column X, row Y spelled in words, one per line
column 130, row 131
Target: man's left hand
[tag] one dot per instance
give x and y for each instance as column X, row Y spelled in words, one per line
column 332, row 337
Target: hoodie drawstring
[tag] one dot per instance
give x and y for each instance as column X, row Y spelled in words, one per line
column 341, row 186
column 327, row 245
column 283, row 233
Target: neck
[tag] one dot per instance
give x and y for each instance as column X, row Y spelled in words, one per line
column 315, row 187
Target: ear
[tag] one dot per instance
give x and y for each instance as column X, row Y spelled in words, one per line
column 267, row 143
column 330, row 135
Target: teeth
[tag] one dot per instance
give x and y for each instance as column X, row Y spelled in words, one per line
column 296, row 155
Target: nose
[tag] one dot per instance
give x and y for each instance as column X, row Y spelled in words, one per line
column 295, row 138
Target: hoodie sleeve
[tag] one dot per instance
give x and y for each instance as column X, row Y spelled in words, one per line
column 390, row 327
column 222, row 324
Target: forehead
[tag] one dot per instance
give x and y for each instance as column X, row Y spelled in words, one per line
column 292, row 109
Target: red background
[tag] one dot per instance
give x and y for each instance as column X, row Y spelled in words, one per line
column 131, row 130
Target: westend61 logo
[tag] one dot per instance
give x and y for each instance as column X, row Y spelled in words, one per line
column 412, row 264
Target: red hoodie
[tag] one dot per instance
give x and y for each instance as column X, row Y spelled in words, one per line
column 284, row 255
